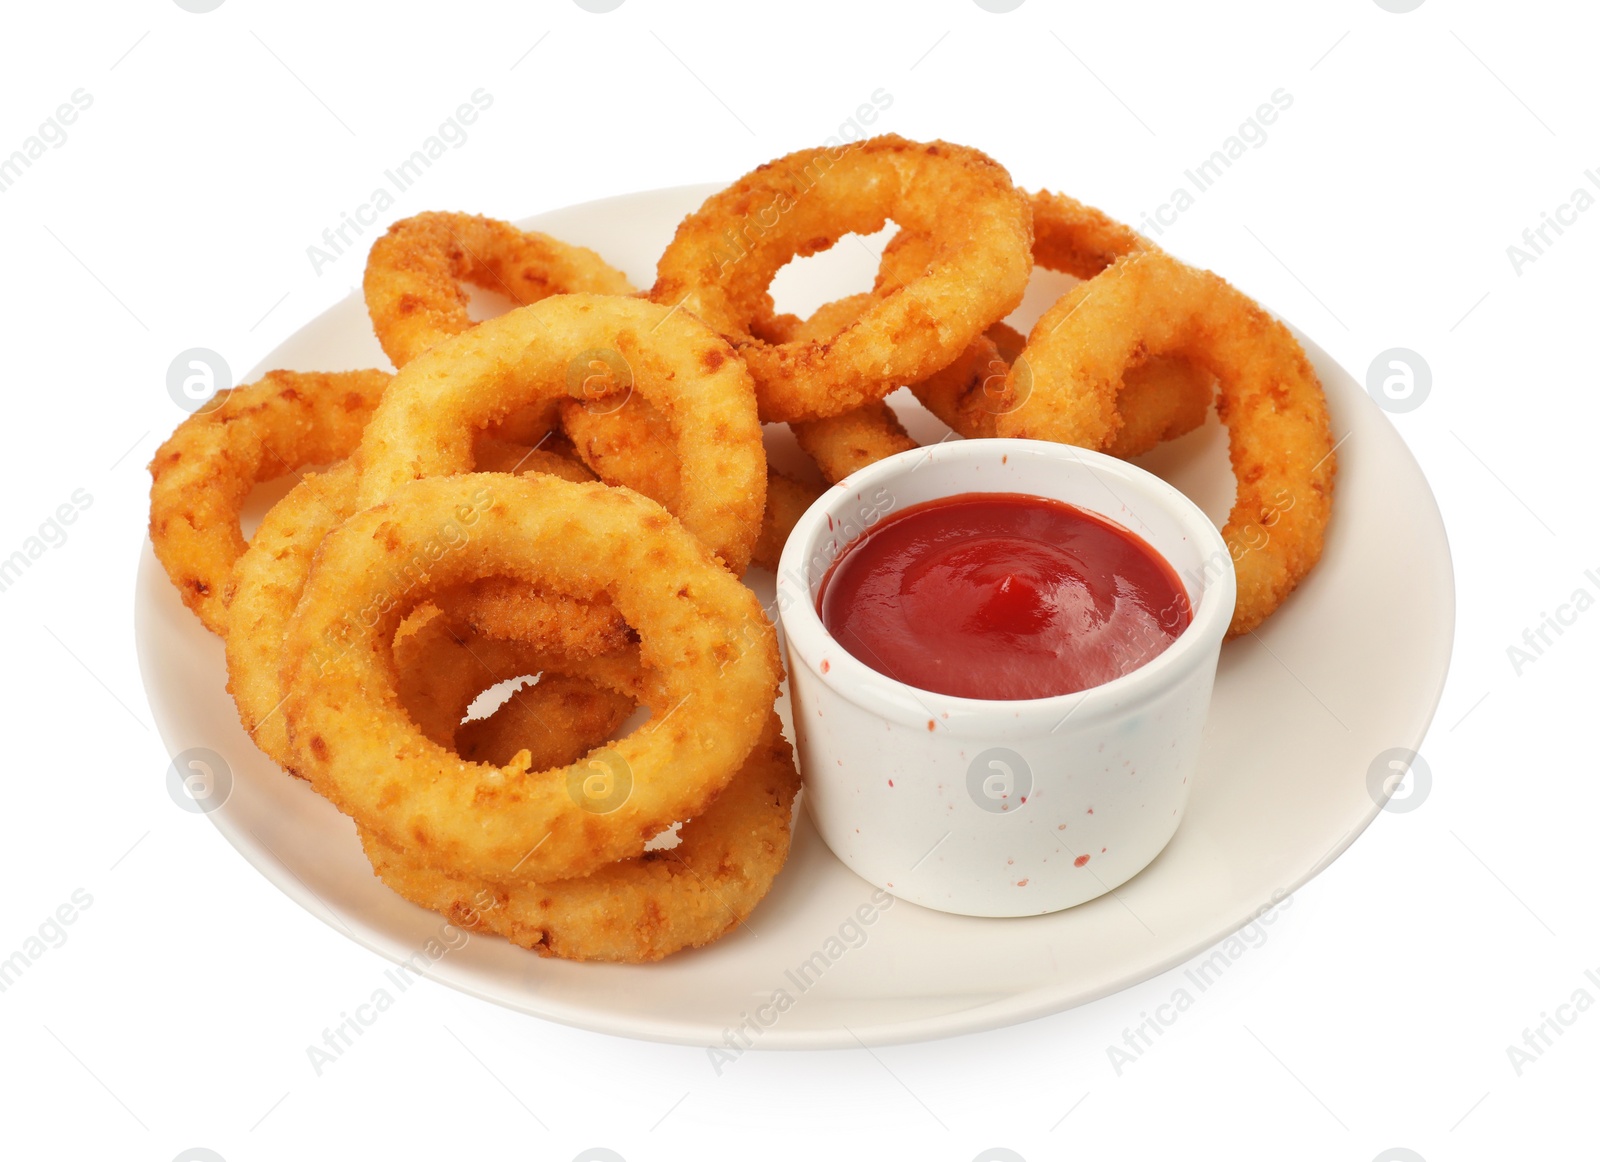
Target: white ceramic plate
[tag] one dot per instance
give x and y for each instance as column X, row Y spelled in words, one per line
column 1350, row 667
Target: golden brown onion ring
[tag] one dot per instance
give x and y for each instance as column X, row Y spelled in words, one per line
column 721, row 263
column 201, row 477
column 701, row 631
column 541, row 352
column 1150, row 304
column 415, row 271
column 640, row 909
column 269, row 578
column 634, row 911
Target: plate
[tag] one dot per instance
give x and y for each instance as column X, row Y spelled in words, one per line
column 1351, row 666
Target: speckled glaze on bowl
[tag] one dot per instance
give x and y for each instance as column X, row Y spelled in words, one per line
column 1001, row 808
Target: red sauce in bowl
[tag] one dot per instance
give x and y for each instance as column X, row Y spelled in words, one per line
column 1001, row 596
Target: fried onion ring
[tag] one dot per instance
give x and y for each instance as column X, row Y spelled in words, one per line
column 1149, row 304
column 270, row 577
column 641, row 909
column 415, row 271
column 721, row 263
column 539, row 353
column 700, row 631
column 635, row 911
column 201, row 477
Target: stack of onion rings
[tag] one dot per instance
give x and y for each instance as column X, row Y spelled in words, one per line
column 448, row 538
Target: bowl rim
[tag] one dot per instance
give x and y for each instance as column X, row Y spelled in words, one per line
column 807, row 638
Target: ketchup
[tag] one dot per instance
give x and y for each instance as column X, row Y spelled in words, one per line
column 999, row 595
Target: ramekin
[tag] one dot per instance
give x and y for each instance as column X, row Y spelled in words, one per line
column 1000, row 808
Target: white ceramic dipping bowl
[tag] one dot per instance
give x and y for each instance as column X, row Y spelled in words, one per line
column 1000, row 808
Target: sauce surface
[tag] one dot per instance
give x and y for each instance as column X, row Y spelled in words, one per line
column 1002, row 596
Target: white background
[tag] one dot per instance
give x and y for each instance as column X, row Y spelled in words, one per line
column 1378, row 214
